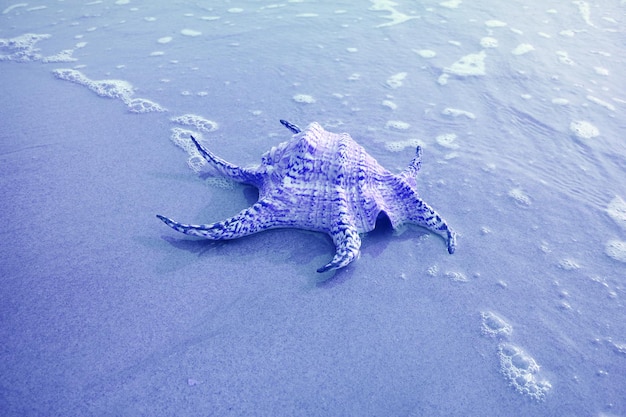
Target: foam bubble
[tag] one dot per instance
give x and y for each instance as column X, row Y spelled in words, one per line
column 425, row 53
column 568, row 264
column 303, row 98
column 522, row 49
column 397, row 124
column 390, row 104
column 117, row 89
column 601, row 102
column 584, row 130
column 617, row 211
column 601, row 71
column 564, row 58
column 495, row 326
column 181, row 138
column 165, row 39
column 14, row 6
column 398, row 146
column 585, row 11
column 560, row 101
column 21, row 48
column 522, row 371
column 469, row 65
column 451, row 4
column 396, row 80
column 142, row 105
column 448, row 111
column 488, row 42
column 456, row 276
column 520, row 197
column 63, row 56
column 196, row 121
column 447, row 140
column 616, row 249
column 394, row 15
column 190, row 32
column 235, row 10
column 494, row 23
column 433, row 270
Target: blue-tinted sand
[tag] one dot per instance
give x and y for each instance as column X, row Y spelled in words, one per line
column 105, row 311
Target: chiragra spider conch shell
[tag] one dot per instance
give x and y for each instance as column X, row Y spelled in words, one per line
column 324, row 182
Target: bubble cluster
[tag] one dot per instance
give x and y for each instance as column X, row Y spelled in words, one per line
column 495, row 23
column 425, row 53
column 495, row 326
column 196, row 121
column 190, row 32
column 398, row 146
column 303, row 98
column 395, row 16
column 63, row 56
column 390, row 104
column 568, row 264
column 616, row 249
column 522, row 371
column 182, row 139
column 468, row 65
column 397, row 125
column 520, row 197
column 489, row 42
column 560, row 101
column 456, row 276
column 451, row 4
column 584, row 130
column 21, row 48
column 564, row 58
column 448, row 111
column 396, row 80
column 117, row 89
column 522, row 49
column 142, row 105
column 517, row 366
column 617, row 211
column 585, row 11
column 447, row 140
column 601, row 71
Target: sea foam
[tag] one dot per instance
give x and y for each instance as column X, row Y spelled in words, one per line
column 118, row 89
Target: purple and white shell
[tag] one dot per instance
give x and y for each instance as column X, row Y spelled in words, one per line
column 324, row 182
